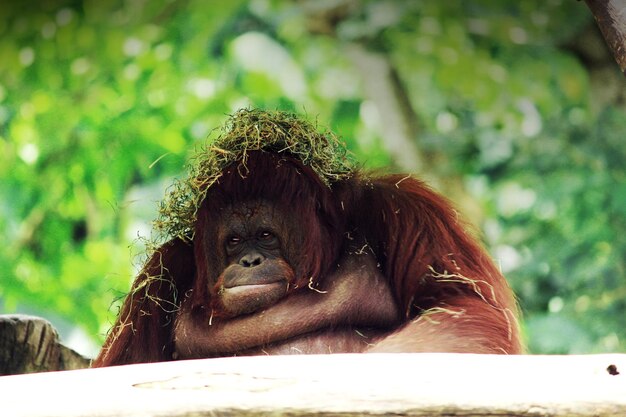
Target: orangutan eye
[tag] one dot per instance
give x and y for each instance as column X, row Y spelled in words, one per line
column 233, row 241
column 265, row 235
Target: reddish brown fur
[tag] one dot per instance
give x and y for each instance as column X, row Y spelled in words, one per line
column 142, row 332
column 452, row 296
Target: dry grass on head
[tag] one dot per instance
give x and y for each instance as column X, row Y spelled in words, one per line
column 245, row 131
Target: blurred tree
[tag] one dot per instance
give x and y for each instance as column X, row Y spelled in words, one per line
column 514, row 109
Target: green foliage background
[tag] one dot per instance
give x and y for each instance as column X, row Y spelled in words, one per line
column 101, row 103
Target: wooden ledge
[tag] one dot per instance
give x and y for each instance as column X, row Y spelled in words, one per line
column 339, row 385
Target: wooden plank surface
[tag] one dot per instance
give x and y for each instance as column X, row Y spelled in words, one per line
column 338, row 385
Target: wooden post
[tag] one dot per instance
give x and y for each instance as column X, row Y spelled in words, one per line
column 338, row 385
column 31, row 344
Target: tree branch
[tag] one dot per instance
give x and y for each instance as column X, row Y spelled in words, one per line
column 611, row 18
